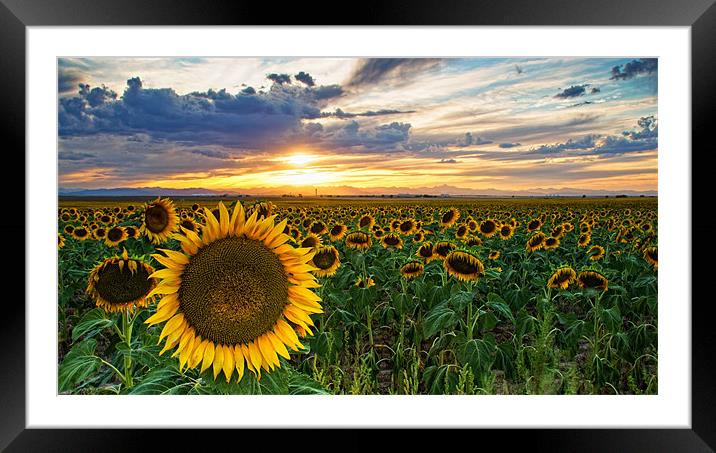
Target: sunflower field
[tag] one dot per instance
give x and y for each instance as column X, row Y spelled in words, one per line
column 358, row 296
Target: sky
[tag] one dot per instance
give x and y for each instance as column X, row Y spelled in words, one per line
column 247, row 123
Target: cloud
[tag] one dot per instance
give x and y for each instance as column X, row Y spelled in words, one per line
column 447, row 161
column 216, row 154
column 344, row 115
column 371, row 71
column 68, row 80
column 509, row 145
column 73, row 155
column 634, row 68
column 245, row 119
column 572, row 92
column 390, row 137
column 306, row 78
column 595, row 90
column 279, row 78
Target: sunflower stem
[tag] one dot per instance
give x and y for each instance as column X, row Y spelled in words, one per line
column 127, row 334
column 112, row 367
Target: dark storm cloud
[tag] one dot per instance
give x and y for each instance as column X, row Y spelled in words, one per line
column 634, row 68
column 279, row 78
column 392, row 137
column 572, row 92
column 306, row 78
column 509, row 145
column 373, row 70
column 68, row 80
column 247, row 119
column 74, row 155
column 345, row 115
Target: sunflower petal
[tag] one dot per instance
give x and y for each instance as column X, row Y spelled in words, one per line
column 223, row 220
column 218, row 359
column 228, row 362
column 239, row 361
column 278, row 345
column 208, row 356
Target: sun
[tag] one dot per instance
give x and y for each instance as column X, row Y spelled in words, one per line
column 300, row 159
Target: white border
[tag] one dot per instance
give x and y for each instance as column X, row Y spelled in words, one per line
column 670, row 408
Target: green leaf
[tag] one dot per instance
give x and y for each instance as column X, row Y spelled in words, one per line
column 79, row 364
column 93, row 322
column 300, row 384
column 499, row 305
column 439, row 318
column 478, row 353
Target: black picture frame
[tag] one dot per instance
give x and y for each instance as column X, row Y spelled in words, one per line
column 700, row 15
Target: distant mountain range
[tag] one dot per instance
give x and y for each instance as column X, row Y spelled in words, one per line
column 444, row 190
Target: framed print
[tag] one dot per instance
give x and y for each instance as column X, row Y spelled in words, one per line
column 437, row 219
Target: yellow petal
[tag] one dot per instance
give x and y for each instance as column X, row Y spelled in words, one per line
column 174, row 323
column 267, row 351
column 239, row 361
column 305, row 307
column 198, row 353
column 168, row 263
column 223, row 220
column 228, row 362
column 278, row 345
column 255, row 356
column 297, row 316
column 287, row 334
column 177, row 257
column 247, row 356
column 165, row 273
column 186, row 351
column 218, row 359
column 208, row 356
column 238, row 217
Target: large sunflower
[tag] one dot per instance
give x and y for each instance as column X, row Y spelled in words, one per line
column 120, row 282
column 449, row 218
column 232, row 297
column 488, row 228
column 337, row 232
column 115, row 235
column 463, row 265
column 535, row 242
column 591, row 278
column 160, row 220
column 562, row 278
column 326, row 261
column 412, row 269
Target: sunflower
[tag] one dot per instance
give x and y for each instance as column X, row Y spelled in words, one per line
column 596, row 252
column 584, row 239
column 591, row 278
column 534, row 225
column 535, row 242
column 488, row 228
column 365, row 282
column 425, row 251
column 562, row 278
column 225, row 296
column 442, row 249
column 311, row 241
column 100, row 234
column 558, row 231
column 472, row 225
column 551, row 243
column 418, row 237
column 392, row 240
column 358, row 240
column 407, row 226
column 651, row 255
column 65, row 217
column 60, row 241
column 473, row 241
column 367, row 221
column 506, row 231
column 160, row 220
column 449, row 218
column 412, row 269
column 132, row 232
column 189, row 224
column 120, row 282
column 337, row 232
column 463, row 265
column 68, row 229
column 80, row 233
column 461, row 231
column 326, row 261
column 318, row 228
column 494, row 255
column 115, row 235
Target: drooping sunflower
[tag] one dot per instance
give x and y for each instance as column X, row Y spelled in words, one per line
column 391, row 240
column 120, row 282
column 506, row 232
column 562, row 278
column 232, row 297
column 367, row 221
column 412, row 269
column 473, row 241
column 160, row 220
column 488, row 228
column 425, row 251
column 358, row 240
column 596, row 252
column 337, row 232
column 442, row 249
column 463, row 265
column 591, row 278
column 326, row 261
column 80, row 233
column 115, row 235
column 311, row 241
column 535, row 242
column 449, row 218
column 651, row 255
column 551, row 243
column 365, row 282
column 60, row 241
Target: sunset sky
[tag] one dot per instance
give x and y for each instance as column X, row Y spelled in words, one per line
column 239, row 123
